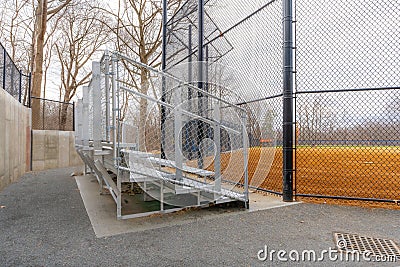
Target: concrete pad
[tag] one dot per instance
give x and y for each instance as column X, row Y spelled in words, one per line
column 101, row 210
column 263, row 201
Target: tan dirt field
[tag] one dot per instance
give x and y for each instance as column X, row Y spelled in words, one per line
column 365, row 172
column 360, row 172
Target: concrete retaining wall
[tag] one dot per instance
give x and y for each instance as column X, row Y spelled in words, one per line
column 15, row 134
column 53, row 149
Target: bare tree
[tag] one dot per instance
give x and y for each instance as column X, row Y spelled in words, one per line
column 80, row 37
column 138, row 30
column 15, row 22
column 45, row 10
column 393, row 110
column 316, row 119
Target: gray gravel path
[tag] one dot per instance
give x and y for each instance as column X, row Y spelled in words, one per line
column 44, row 223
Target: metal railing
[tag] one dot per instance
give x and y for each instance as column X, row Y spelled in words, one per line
column 197, row 147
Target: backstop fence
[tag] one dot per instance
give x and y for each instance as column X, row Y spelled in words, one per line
column 320, row 82
column 12, row 79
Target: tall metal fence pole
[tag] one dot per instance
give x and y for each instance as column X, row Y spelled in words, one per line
column 4, row 68
column 200, row 127
column 190, row 67
column 29, row 90
column 20, row 87
column 73, row 117
column 288, row 100
column 163, row 67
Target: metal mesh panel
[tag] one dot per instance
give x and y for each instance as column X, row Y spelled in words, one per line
column 347, row 104
column 348, row 148
column 252, row 47
column 12, row 79
column 243, row 53
column 265, row 160
column 347, row 44
column 53, row 115
column 12, row 82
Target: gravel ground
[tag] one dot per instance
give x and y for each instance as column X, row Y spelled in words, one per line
column 43, row 222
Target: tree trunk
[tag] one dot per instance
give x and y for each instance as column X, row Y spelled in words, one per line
column 37, row 75
column 64, row 115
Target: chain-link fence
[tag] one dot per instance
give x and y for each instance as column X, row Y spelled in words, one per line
column 346, row 89
column 348, row 102
column 53, row 115
column 12, row 79
column 234, row 32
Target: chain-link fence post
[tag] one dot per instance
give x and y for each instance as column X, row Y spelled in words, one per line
column 200, row 127
column 73, row 116
column 190, row 67
column 20, row 86
column 29, row 89
column 163, row 66
column 4, row 68
column 288, row 100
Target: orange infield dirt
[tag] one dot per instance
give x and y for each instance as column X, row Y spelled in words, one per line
column 363, row 172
